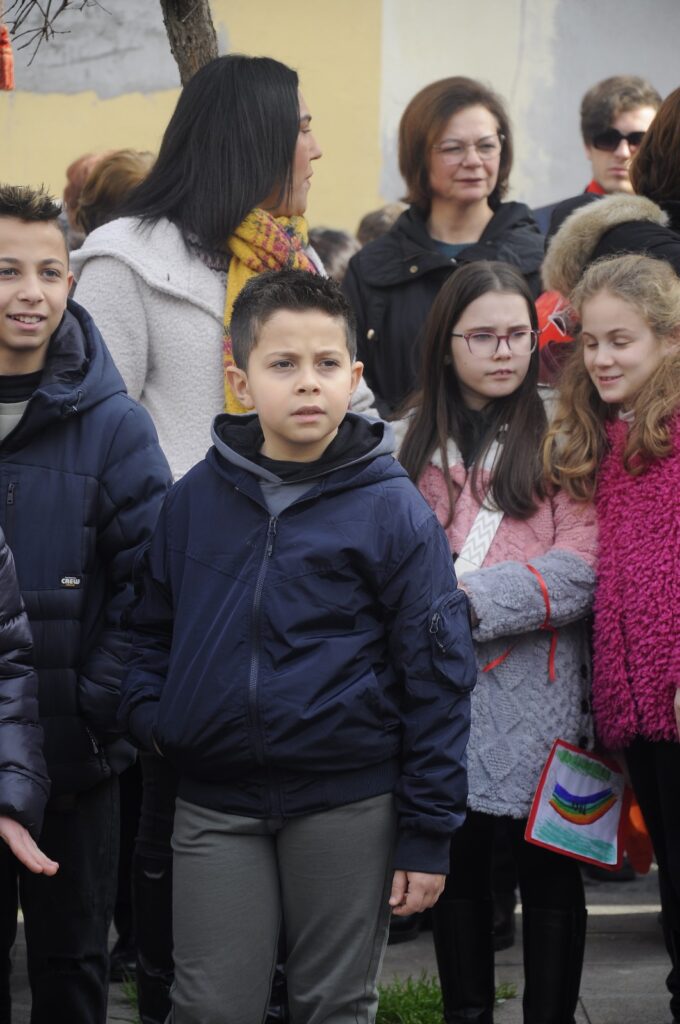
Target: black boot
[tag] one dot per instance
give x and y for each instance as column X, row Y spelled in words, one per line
column 152, row 890
column 672, row 939
column 504, row 904
column 554, row 943
column 463, row 942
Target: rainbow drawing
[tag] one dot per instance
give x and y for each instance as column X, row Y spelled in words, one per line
column 581, row 810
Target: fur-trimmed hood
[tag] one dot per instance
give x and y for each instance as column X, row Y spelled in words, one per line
column 572, row 248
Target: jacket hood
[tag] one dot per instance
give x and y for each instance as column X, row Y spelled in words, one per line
column 572, row 248
column 232, row 438
column 79, row 373
column 511, row 234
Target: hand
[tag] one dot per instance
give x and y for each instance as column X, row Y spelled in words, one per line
column 24, row 847
column 414, row 891
column 676, row 708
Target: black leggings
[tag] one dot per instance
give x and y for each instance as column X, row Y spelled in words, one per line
column 547, row 881
column 655, row 773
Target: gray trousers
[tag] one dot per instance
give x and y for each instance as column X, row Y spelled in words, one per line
column 327, row 876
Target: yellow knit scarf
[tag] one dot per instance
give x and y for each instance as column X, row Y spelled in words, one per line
column 261, row 242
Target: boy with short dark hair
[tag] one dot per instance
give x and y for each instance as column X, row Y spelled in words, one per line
column 81, row 481
column 303, row 657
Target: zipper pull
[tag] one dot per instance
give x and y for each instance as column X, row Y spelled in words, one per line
column 272, row 535
column 10, row 493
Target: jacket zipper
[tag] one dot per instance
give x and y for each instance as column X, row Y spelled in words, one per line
column 98, row 752
column 9, row 518
column 256, row 645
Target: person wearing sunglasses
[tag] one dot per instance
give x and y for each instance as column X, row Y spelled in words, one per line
column 615, row 114
column 647, row 222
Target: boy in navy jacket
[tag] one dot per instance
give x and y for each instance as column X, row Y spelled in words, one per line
column 303, row 657
column 82, row 478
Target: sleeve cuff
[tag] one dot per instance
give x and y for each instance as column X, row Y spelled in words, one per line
column 427, row 853
column 141, row 723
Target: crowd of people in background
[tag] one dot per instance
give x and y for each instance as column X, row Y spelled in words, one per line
column 264, row 707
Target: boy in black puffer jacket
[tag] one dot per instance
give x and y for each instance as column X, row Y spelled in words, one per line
column 81, row 482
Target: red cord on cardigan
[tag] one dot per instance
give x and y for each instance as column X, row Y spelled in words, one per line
column 545, row 625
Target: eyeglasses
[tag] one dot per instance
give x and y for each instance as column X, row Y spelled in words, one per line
column 610, row 139
column 521, row 342
column 452, row 151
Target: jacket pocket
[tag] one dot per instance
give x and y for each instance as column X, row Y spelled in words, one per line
column 451, row 644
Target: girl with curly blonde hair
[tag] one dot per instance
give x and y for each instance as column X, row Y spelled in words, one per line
column 616, row 436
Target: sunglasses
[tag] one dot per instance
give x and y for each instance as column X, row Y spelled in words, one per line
column 610, row 139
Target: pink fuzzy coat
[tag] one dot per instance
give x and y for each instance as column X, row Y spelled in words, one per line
column 636, row 666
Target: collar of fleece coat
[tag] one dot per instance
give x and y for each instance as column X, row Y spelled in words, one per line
column 572, row 248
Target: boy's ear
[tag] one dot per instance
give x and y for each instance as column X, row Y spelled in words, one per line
column 357, row 374
column 238, row 382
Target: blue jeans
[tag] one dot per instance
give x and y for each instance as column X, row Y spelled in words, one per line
column 66, row 917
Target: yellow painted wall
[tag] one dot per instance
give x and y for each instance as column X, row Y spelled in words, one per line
column 336, row 49
column 334, row 46
column 42, row 134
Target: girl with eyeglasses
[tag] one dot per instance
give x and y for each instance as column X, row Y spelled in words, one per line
column 455, row 155
column 524, row 555
column 619, row 412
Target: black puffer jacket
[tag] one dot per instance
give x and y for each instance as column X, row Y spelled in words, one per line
column 23, row 776
column 392, row 283
column 612, row 226
column 82, row 478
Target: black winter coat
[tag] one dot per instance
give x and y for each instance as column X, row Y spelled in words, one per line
column 82, row 478
column 392, row 283
column 24, row 785
column 612, row 226
column 657, row 240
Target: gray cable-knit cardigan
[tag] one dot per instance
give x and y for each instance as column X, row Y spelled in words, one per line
column 517, row 712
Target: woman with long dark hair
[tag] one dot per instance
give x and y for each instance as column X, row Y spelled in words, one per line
column 455, row 155
column 524, row 555
column 224, row 200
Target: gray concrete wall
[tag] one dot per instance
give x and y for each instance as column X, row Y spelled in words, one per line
column 541, row 56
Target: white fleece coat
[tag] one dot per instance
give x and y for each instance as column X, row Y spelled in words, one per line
column 160, row 312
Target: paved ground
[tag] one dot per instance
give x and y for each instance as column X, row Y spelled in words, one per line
column 623, row 977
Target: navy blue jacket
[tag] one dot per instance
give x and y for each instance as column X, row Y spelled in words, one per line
column 295, row 656
column 82, row 478
column 23, row 777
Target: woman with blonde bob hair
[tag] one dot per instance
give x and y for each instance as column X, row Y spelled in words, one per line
column 616, row 436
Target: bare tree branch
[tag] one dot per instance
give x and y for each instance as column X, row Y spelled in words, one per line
column 20, row 12
column 188, row 23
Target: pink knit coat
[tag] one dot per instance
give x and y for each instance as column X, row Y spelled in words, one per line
column 636, row 666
